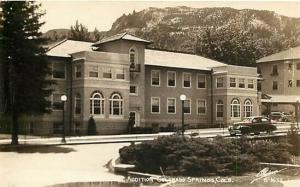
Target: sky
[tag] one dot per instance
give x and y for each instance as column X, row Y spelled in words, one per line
column 101, row 14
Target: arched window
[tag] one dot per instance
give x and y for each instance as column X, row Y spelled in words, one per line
column 132, row 56
column 77, row 104
column 116, row 105
column 235, row 108
column 248, row 108
column 97, row 103
column 220, row 110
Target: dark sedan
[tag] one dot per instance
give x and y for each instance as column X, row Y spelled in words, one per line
column 254, row 125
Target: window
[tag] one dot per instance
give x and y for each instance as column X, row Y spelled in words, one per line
column 57, row 104
column 298, row 66
column 187, row 106
column 201, row 81
column 201, row 106
column 232, row 82
column 97, row 104
column 57, row 127
column 290, row 83
column 155, row 105
column 186, row 80
column 259, row 70
column 77, row 104
column 235, row 108
column 241, row 83
column 290, row 66
column 171, row 79
column 133, row 90
column 220, row 82
column 171, row 106
column 275, row 85
column 93, row 71
column 116, row 105
column 107, row 73
column 120, row 74
column 220, row 109
column 250, row 83
column 298, row 83
column 274, row 70
column 155, row 78
column 132, row 56
column 248, row 108
column 58, row 70
column 77, row 71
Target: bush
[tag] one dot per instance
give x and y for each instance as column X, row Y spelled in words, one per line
column 293, row 139
column 91, row 130
column 201, row 157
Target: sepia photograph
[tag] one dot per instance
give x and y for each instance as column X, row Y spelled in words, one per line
column 153, row 93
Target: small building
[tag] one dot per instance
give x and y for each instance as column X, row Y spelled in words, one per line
column 119, row 76
column 280, row 73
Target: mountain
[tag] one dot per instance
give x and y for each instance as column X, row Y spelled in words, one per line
column 226, row 34
column 229, row 35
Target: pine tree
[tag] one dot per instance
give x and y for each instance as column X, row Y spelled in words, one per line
column 79, row 32
column 25, row 66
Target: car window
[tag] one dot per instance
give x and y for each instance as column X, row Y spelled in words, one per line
column 264, row 120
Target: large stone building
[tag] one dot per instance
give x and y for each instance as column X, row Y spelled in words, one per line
column 118, row 76
column 280, row 83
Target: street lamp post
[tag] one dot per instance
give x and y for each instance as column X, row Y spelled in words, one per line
column 63, row 98
column 182, row 98
column 297, row 112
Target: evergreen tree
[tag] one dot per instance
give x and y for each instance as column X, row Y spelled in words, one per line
column 79, row 32
column 24, row 65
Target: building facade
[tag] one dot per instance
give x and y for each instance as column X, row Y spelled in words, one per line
column 280, row 74
column 118, row 76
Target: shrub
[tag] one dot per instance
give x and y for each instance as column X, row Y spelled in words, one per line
column 293, row 139
column 91, row 130
column 201, row 157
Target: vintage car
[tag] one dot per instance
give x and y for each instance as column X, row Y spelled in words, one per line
column 280, row 116
column 255, row 125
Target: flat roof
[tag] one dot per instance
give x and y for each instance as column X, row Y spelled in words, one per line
column 179, row 60
column 281, row 99
column 292, row 53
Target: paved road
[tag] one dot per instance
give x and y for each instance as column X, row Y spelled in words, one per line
column 43, row 166
column 212, row 132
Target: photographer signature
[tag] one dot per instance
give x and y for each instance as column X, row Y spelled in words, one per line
column 265, row 173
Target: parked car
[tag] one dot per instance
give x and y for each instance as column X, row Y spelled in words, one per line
column 256, row 125
column 280, row 116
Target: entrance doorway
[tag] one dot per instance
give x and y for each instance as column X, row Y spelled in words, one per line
column 136, row 116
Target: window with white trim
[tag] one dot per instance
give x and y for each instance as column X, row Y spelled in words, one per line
column 201, row 106
column 97, row 103
column 171, row 102
column 250, row 83
column 235, row 108
column 171, row 78
column 93, row 71
column 220, row 109
column 232, row 82
column 201, row 81
column 155, row 78
column 187, row 108
column 116, row 105
column 155, row 105
column 77, row 104
column 133, row 90
column 241, row 83
column 78, row 71
column 58, row 70
column 187, row 78
column 120, row 74
column 132, row 56
column 107, row 73
column 248, row 108
column 220, row 82
column 57, row 104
